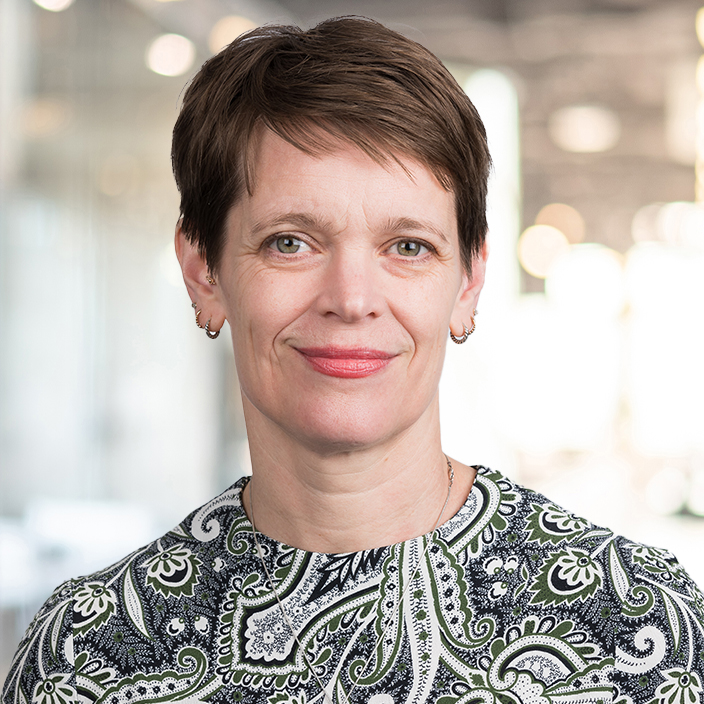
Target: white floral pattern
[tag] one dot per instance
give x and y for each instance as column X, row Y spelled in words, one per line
column 679, row 687
column 55, row 689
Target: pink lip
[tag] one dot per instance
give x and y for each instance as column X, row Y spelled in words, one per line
column 346, row 363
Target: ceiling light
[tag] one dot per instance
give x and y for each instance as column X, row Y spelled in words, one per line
column 584, row 128
column 226, row 30
column 170, row 55
column 44, row 117
column 565, row 218
column 54, row 5
column 539, row 247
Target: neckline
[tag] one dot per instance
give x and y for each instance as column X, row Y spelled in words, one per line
column 446, row 528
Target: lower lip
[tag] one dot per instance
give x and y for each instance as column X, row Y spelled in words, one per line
column 347, row 368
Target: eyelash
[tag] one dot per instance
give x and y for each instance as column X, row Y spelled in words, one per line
column 270, row 244
column 429, row 247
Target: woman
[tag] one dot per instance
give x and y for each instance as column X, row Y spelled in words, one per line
column 333, row 188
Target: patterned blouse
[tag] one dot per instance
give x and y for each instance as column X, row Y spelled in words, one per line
column 515, row 601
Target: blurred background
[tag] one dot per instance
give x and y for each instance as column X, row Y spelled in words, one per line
column 584, row 380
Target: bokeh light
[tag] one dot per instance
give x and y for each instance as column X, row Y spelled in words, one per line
column 682, row 223
column 700, row 25
column 700, row 74
column 45, row 117
column 584, row 128
column 539, row 247
column 679, row 222
column 54, row 5
column 565, row 218
column 170, row 55
column 644, row 226
column 226, row 30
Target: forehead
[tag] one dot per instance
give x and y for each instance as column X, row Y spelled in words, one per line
column 343, row 177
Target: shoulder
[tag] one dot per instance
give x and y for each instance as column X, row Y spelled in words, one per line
column 128, row 616
column 44, row 657
column 638, row 601
column 659, row 649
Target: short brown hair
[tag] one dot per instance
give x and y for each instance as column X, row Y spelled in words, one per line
column 347, row 78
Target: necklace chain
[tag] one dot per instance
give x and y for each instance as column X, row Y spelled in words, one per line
column 390, row 620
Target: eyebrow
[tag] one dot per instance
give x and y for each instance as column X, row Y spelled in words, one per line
column 303, row 220
column 403, row 225
column 306, row 221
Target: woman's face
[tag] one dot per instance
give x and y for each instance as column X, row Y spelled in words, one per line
column 339, row 279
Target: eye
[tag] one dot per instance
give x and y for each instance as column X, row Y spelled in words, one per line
column 410, row 248
column 288, row 245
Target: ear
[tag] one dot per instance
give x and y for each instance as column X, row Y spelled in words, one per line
column 468, row 296
column 206, row 296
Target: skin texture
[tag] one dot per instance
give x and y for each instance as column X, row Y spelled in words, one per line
column 339, row 341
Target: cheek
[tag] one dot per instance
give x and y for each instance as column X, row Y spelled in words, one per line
column 425, row 311
column 262, row 304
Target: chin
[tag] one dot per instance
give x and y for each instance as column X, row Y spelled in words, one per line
column 339, row 425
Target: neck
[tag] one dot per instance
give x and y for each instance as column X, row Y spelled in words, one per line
column 350, row 500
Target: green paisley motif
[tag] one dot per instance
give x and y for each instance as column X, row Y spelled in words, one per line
column 538, row 662
column 636, row 599
column 93, row 606
column 657, row 561
column 551, row 523
column 173, row 571
column 285, row 698
column 498, row 502
column 92, row 676
column 54, row 689
column 541, row 659
column 166, row 686
column 455, row 616
column 236, row 542
column 566, row 576
column 389, row 618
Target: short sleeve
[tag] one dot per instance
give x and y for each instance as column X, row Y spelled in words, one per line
column 42, row 671
column 660, row 640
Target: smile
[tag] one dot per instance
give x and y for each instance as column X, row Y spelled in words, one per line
column 346, row 363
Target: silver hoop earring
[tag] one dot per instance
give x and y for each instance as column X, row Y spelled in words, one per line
column 209, row 333
column 467, row 331
column 460, row 340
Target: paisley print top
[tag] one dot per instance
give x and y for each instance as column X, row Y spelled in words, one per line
column 516, row 601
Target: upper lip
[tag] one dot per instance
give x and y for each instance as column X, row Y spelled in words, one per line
column 345, row 352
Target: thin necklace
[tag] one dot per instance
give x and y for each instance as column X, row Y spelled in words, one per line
column 431, row 536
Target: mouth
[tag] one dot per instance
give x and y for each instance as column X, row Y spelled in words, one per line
column 346, row 363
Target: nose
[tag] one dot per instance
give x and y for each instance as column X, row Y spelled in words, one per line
column 352, row 286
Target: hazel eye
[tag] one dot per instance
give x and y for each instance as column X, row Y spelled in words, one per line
column 410, row 248
column 288, row 245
